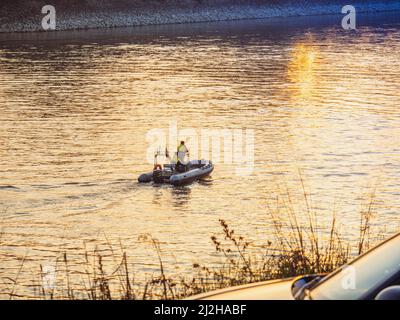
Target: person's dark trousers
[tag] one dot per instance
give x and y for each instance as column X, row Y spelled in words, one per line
column 180, row 167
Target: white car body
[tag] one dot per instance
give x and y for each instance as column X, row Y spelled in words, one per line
column 266, row 290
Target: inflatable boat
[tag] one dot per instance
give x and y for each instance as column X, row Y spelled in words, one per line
column 169, row 173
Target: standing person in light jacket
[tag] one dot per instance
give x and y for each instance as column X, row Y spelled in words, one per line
column 181, row 155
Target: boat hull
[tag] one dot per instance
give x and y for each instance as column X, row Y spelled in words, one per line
column 191, row 175
column 198, row 169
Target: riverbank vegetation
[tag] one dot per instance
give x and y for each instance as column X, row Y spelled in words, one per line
column 299, row 245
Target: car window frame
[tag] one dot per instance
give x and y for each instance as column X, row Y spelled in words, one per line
column 373, row 291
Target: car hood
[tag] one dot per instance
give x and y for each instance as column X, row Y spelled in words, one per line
column 267, row 290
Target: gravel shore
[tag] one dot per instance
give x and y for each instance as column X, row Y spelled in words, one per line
column 26, row 16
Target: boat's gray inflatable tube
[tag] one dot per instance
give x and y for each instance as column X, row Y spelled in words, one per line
column 191, row 175
column 206, row 167
column 146, row 177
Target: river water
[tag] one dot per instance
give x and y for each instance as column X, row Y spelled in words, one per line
column 76, row 108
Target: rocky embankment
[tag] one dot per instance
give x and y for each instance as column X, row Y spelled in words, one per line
column 26, row 15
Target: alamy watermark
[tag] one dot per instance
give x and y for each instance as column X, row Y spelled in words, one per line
column 349, row 20
column 348, row 279
column 49, row 20
column 48, row 276
column 228, row 146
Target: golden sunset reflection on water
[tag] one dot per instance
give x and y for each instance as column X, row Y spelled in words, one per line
column 75, row 113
